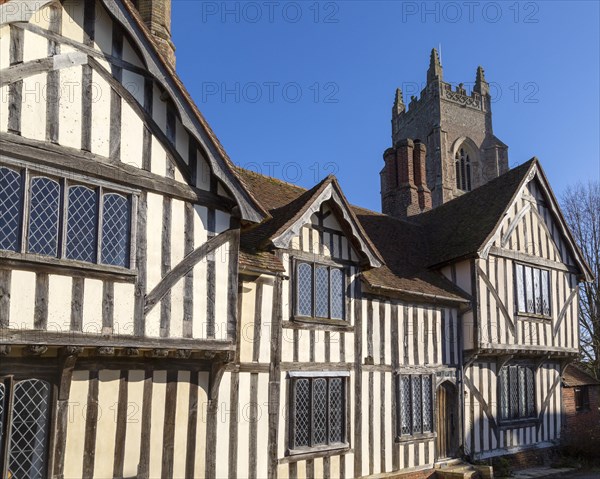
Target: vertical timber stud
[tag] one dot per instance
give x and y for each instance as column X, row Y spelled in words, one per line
column 15, row 89
column 232, row 279
column 141, row 227
column 91, row 424
column 358, row 332
column 53, row 77
column 67, row 363
column 216, row 374
column 121, row 429
column 89, row 27
column 115, row 99
column 275, row 377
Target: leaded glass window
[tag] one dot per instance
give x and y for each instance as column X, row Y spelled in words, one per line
column 304, row 289
column 427, row 409
column 2, row 400
column 26, row 426
column 319, row 291
column 115, row 230
column 415, row 404
column 10, row 209
column 336, row 414
column 533, row 290
column 63, row 218
column 337, row 294
column 44, row 210
column 318, row 412
column 82, row 224
column 517, row 392
column 405, row 406
column 302, row 409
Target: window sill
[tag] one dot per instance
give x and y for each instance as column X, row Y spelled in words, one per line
column 512, row 423
column 48, row 264
column 416, row 437
column 318, row 451
column 340, row 324
column 533, row 317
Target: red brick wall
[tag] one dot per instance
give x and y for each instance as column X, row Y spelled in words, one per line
column 581, row 420
column 526, row 459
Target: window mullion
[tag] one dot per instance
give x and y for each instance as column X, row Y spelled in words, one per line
column 25, row 215
column 62, row 218
column 314, row 291
column 99, row 234
column 327, row 411
column 330, row 293
column 9, row 384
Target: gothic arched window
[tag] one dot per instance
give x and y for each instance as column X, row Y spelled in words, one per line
column 463, row 170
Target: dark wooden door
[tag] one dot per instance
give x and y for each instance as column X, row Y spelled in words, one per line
column 447, row 421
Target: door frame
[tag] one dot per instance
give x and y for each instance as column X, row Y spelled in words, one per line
column 450, row 387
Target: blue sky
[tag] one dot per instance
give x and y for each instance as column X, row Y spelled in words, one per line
column 302, row 89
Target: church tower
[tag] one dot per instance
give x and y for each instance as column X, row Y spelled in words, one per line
column 453, row 131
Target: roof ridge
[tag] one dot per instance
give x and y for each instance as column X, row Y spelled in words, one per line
column 278, row 180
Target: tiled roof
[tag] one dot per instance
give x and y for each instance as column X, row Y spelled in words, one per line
column 460, row 227
column 403, row 273
column 132, row 10
column 575, row 376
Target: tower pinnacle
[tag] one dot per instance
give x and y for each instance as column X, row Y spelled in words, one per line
column 481, row 85
column 399, row 106
column 435, row 72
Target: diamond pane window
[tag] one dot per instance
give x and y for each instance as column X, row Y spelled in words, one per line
column 336, row 408
column 302, row 406
column 417, row 404
column 304, row 289
column 533, row 290
column 321, row 292
column 537, row 287
column 405, row 406
column 545, row 293
column 517, row 392
column 504, row 394
column 82, row 224
column 2, row 399
column 43, row 216
column 427, row 406
column 29, row 429
column 415, row 408
column 318, row 412
column 115, row 230
column 10, row 209
column 520, row 288
column 337, row 294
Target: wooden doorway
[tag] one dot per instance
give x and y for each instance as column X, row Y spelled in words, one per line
column 447, row 420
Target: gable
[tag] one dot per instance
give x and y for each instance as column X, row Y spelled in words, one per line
column 323, row 234
column 329, row 192
column 81, row 79
column 532, row 225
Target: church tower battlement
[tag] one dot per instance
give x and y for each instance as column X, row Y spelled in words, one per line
column 455, row 128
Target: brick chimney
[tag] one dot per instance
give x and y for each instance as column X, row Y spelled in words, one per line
column 420, row 170
column 157, row 17
column 404, row 190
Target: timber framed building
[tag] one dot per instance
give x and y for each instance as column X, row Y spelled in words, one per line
column 164, row 313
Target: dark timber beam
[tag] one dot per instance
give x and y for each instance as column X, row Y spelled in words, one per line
column 179, row 271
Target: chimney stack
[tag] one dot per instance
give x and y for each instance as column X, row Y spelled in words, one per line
column 420, row 169
column 404, row 190
column 157, row 17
